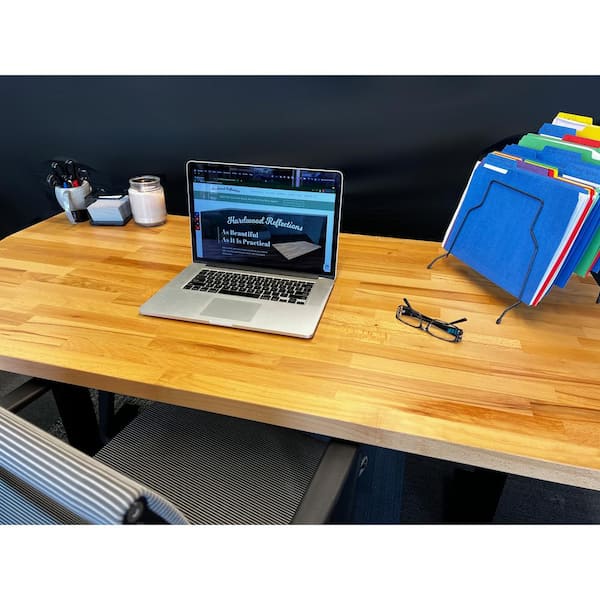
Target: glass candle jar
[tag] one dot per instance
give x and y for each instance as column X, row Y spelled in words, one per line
column 147, row 200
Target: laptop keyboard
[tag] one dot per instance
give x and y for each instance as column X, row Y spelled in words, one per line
column 275, row 289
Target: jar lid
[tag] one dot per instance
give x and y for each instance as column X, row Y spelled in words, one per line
column 145, row 183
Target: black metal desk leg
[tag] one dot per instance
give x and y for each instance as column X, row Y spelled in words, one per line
column 473, row 496
column 78, row 416
column 106, row 415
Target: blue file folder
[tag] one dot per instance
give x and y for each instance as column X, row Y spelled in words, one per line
column 556, row 130
column 567, row 163
column 510, row 224
column 540, row 142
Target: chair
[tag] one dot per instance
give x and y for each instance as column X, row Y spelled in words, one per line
column 170, row 465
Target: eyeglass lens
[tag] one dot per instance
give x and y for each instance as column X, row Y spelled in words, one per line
column 448, row 332
column 409, row 317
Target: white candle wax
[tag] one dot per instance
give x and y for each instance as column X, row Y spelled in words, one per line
column 148, row 206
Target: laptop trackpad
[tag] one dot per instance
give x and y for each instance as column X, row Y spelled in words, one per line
column 231, row 309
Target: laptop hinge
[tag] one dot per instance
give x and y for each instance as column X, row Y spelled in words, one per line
column 265, row 270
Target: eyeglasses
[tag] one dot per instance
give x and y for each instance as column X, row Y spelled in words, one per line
column 439, row 329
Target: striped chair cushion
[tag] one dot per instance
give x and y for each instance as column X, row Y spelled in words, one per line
column 217, row 469
column 44, row 480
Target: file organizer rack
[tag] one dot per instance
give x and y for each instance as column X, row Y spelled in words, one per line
column 596, row 275
column 531, row 232
column 499, row 319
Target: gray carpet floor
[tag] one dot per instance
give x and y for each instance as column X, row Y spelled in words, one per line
column 417, row 497
column 523, row 500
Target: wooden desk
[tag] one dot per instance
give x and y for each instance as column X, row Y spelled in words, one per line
column 521, row 397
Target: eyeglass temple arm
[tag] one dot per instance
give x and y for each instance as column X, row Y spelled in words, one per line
column 458, row 321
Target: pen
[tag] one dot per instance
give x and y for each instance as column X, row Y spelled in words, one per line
column 52, row 180
column 72, row 172
column 58, row 170
column 55, row 166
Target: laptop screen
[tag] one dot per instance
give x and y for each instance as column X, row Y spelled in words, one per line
column 273, row 217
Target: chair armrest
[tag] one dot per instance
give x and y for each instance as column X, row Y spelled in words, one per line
column 87, row 488
column 327, row 483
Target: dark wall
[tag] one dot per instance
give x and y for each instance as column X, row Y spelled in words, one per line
column 405, row 144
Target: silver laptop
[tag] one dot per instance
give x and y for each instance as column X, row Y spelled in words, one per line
column 264, row 245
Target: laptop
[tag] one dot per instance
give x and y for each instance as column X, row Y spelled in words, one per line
column 264, row 246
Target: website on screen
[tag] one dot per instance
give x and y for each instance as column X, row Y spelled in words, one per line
column 260, row 225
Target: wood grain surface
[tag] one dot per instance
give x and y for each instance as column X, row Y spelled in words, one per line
column 522, row 397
